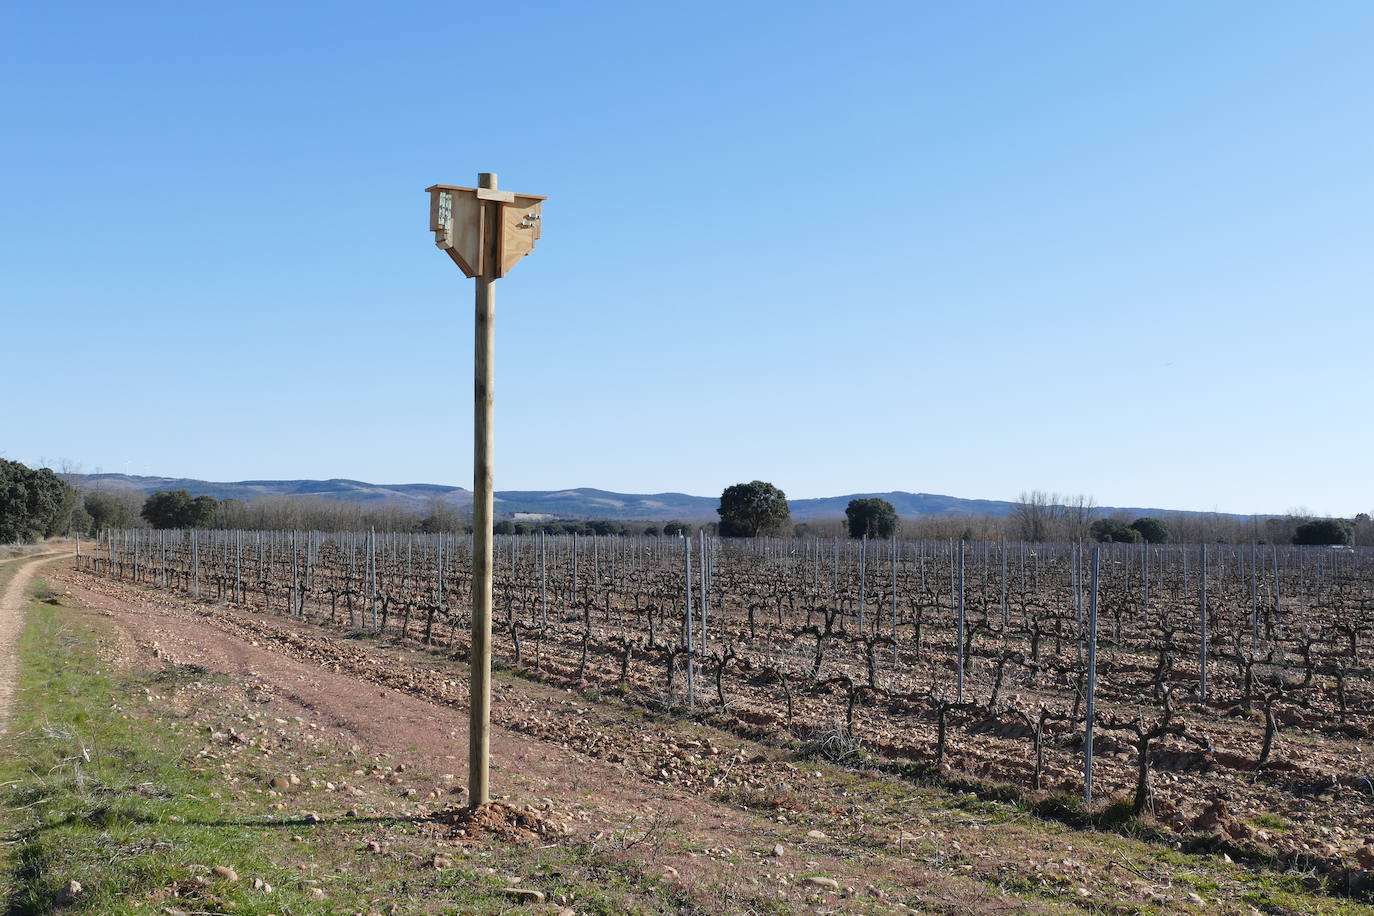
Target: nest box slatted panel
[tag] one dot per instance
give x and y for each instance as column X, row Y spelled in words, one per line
column 520, row 223
column 484, row 231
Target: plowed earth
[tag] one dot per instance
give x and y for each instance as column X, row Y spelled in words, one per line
column 741, row 826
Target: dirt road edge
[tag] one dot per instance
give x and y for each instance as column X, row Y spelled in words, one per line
column 12, row 605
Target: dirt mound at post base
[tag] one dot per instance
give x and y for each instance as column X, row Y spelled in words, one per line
column 497, row 819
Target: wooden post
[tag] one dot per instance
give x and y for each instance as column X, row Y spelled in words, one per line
column 484, row 343
column 485, row 231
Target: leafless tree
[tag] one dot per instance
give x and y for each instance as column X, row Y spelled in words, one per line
column 1034, row 515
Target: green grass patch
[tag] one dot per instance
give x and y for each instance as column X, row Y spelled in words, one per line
column 103, row 798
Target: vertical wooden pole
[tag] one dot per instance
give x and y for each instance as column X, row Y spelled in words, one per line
column 484, row 343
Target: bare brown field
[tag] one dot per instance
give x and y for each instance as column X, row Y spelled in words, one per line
column 805, row 651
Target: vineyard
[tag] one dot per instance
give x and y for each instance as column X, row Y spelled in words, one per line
column 1226, row 690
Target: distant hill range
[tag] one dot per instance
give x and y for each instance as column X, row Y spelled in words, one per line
column 579, row 503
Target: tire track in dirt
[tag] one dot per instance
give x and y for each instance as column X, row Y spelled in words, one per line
column 12, row 605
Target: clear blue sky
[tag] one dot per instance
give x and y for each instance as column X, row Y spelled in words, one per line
column 964, row 248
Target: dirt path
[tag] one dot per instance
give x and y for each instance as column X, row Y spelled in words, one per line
column 12, row 605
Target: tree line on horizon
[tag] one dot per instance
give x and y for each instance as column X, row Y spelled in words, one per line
column 760, row 508
column 38, row 503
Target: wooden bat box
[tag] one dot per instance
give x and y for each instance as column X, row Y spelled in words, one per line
column 484, row 231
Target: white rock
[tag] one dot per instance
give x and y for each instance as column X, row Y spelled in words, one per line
column 819, row 881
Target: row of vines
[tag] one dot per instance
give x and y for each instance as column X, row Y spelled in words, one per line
column 1195, row 679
